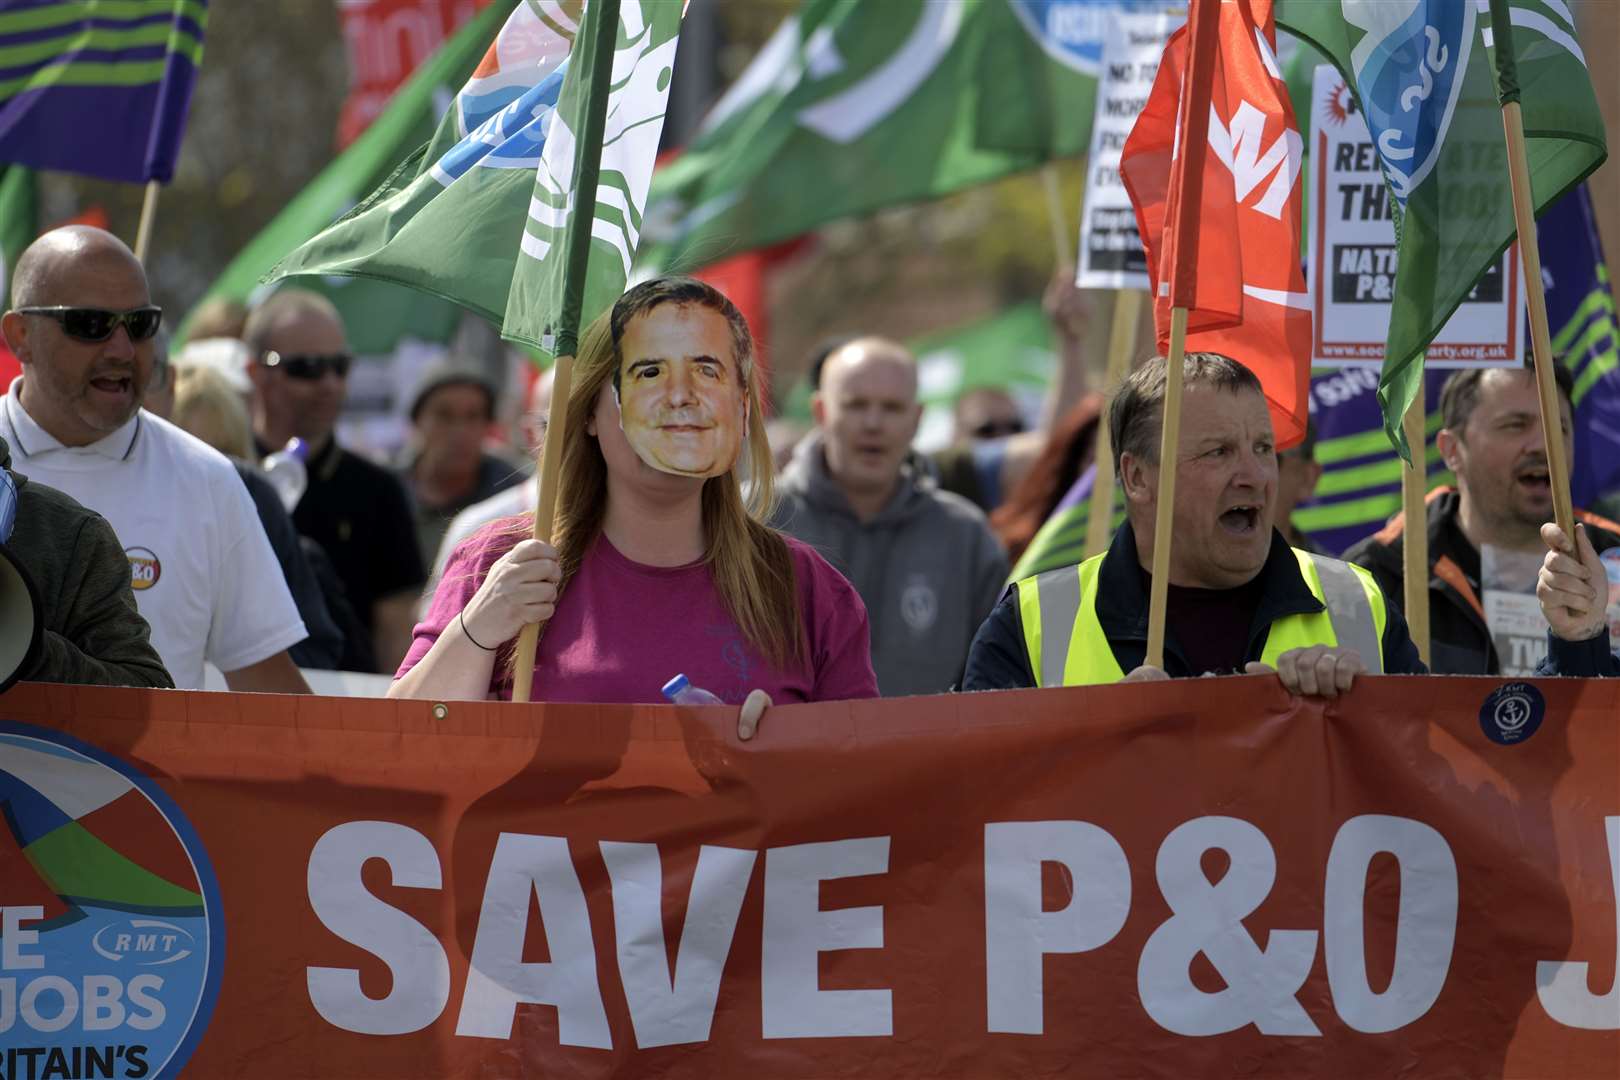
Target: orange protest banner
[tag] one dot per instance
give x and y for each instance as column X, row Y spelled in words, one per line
column 1191, row 878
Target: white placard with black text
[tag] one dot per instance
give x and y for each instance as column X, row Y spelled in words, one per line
column 1351, row 262
column 1111, row 255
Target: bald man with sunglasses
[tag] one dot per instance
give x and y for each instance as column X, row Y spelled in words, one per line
column 357, row 511
column 82, row 324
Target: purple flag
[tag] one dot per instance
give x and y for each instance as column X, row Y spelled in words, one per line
column 98, row 88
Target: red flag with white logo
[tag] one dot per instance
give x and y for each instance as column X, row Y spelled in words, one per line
column 1220, row 211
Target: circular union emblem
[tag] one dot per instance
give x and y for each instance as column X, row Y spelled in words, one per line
column 1512, row 713
column 144, row 568
column 114, row 938
column 919, row 605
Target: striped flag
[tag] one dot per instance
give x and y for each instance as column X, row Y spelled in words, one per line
column 473, row 214
column 99, row 87
column 590, row 188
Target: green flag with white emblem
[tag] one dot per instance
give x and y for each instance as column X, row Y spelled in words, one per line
column 558, row 127
column 1430, row 76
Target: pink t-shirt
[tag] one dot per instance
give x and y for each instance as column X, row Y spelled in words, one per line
column 623, row 629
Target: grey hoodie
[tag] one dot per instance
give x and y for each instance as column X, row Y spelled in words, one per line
column 92, row 631
column 927, row 567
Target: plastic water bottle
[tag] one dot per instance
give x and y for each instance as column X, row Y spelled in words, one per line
column 287, row 473
column 681, row 691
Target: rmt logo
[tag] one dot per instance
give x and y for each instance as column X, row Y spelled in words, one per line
column 143, row 942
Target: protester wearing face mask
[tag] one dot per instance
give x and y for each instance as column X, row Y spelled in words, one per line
column 660, row 565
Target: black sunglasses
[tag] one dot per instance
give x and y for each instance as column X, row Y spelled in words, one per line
column 995, row 429
column 309, row 366
column 98, row 324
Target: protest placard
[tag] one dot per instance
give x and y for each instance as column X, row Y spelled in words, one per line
column 1111, row 255
column 1352, row 255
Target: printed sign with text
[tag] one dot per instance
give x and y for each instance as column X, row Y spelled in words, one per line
column 1352, row 261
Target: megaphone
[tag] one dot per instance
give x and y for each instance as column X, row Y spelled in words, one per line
column 21, row 622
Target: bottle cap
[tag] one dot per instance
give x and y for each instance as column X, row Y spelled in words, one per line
column 298, row 448
column 673, row 688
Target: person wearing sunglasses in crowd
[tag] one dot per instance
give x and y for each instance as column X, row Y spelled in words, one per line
column 83, row 324
column 358, row 512
column 986, row 413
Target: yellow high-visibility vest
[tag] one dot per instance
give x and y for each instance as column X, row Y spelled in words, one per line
column 1067, row 646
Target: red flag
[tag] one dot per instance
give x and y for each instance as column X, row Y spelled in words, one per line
column 387, row 40
column 1220, row 207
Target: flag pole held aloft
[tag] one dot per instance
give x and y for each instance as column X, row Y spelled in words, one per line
column 1180, row 253
column 143, row 231
column 1524, row 217
column 1415, row 537
column 598, row 34
column 1164, row 516
column 1121, row 347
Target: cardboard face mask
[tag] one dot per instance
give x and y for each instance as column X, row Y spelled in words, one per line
column 682, row 405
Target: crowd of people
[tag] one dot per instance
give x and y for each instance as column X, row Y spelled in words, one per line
column 843, row 566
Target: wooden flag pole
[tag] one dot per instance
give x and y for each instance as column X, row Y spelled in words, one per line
column 597, row 34
column 1415, row 537
column 1121, row 344
column 143, row 231
column 1164, row 519
column 1524, row 217
column 545, row 513
column 1055, row 216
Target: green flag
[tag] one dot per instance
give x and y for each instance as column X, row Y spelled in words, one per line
column 19, row 221
column 1423, row 76
column 375, row 315
column 584, row 220
column 855, row 105
column 487, row 202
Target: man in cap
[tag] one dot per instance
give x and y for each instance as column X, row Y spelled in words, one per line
column 445, row 466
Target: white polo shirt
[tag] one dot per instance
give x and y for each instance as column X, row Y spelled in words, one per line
column 204, row 575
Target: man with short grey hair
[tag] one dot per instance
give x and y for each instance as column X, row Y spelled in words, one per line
column 923, row 560
column 1240, row 599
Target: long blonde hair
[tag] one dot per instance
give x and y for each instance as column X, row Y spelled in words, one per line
column 750, row 562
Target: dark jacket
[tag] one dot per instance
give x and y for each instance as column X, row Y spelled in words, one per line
column 1459, row 639
column 999, row 659
column 1585, row 659
column 93, row 632
column 323, row 648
